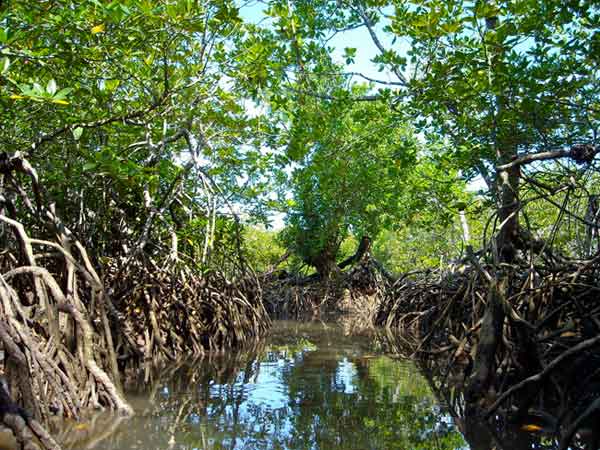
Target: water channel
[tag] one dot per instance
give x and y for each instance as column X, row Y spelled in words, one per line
column 308, row 386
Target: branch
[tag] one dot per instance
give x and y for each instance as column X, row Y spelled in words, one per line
column 544, row 373
column 374, row 80
column 580, row 153
column 362, row 98
column 363, row 248
column 370, row 27
column 159, row 211
column 97, row 123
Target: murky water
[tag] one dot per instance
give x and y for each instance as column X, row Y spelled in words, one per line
column 306, row 387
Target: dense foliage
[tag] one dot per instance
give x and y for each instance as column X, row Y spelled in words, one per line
column 165, row 137
column 151, row 138
column 148, row 119
column 487, row 84
column 126, row 111
column 354, row 162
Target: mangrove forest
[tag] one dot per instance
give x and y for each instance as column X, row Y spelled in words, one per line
column 299, row 224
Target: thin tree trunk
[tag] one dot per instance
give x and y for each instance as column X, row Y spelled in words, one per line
column 364, row 247
column 507, row 182
column 465, row 226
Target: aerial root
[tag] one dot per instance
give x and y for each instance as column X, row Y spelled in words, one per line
column 171, row 312
column 56, row 354
column 549, row 333
column 355, row 294
column 67, row 333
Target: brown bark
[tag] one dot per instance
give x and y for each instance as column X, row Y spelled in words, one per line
column 326, row 265
column 591, row 233
column 508, row 211
column 364, row 247
column 325, row 262
column 489, row 338
column 25, row 429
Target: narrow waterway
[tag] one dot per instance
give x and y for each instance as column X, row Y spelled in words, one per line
column 308, row 386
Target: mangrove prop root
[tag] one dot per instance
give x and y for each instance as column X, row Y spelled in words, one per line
column 551, row 311
column 170, row 312
column 53, row 353
column 67, row 333
column 23, row 427
column 356, row 292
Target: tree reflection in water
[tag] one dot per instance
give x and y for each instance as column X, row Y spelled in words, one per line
column 499, row 433
column 307, row 387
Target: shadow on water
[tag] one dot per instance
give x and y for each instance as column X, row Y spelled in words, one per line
column 308, row 386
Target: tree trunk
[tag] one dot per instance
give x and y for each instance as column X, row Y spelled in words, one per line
column 591, row 232
column 325, row 264
column 364, row 247
column 508, row 212
column 507, row 185
column 489, row 338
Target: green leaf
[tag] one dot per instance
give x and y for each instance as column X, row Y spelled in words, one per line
column 26, row 89
column 89, row 166
column 37, row 89
column 51, row 87
column 349, row 54
column 77, row 132
column 5, row 64
column 63, row 93
column 111, row 85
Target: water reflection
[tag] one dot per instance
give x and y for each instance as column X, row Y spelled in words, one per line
column 307, row 387
column 534, row 431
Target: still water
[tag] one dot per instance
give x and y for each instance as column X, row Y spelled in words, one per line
column 307, row 386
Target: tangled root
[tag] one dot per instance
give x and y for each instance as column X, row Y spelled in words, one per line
column 171, row 312
column 355, row 293
column 551, row 332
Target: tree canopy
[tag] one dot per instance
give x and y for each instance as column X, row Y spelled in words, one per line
column 168, row 114
column 157, row 134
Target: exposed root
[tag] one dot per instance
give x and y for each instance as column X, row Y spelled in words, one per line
column 65, row 336
column 355, row 293
column 25, row 429
column 170, row 312
column 549, row 337
column 58, row 358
